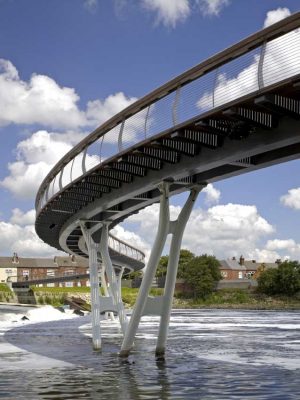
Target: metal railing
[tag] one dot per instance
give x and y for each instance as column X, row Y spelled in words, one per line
column 125, row 249
column 258, row 62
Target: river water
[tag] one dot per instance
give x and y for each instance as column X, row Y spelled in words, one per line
column 212, row 354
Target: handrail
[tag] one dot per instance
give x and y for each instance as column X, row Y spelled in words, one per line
column 134, row 249
column 201, row 70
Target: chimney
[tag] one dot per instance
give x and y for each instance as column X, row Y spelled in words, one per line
column 15, row 259
column 242, row 260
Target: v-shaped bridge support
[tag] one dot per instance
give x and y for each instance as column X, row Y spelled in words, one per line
column 162, row 305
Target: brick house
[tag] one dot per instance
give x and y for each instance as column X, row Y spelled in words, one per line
column 233, row 269
column 27, row 268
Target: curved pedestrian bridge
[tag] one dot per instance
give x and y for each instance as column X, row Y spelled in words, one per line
column 234, row 113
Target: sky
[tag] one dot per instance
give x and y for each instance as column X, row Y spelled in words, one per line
column 66, row 66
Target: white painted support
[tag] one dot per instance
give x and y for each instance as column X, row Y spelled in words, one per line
column 105, row 290
column 176, row 228
column 94, row 281
column 159, row 243
column 111, row 276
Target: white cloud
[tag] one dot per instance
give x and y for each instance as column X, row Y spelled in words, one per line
column 212, row 194
column 168, row 12
column 22, row 218
column 35, row 157
column 281, row 60
column 91, row 5
column 100, row 111
column 23, row 240
column 291, row 199
column 212, row 7
column 274, row 16
column 223, row 230
column 131, row 238
column 43, row 101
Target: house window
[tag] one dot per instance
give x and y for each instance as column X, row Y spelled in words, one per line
column 25, row 272
column 50, row 272
column 69, row 272
column 69, row 284
column 88, row 283
column 9, row 271
column 250, row 274
column 240, row 274
column 50, row 284
column 224, row 274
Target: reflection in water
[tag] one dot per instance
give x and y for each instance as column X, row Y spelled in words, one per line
column 212, row 354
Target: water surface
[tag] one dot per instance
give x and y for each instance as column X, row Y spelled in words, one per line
column 212, row 354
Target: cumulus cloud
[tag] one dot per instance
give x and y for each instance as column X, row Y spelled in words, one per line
column 212, row 195
column 274, row 16
column 131, row 238
column 22, row 218
column 212, row 7
column 43, row 101
column 223, row 230
column 40, row 100
column 100, row 111
column 35, row 157
column 291, row 199
column 23, row 240
column 168, row 12
column 281, row 60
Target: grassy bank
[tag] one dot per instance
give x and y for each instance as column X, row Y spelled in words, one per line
column 6, row 294
column 239, row 299
column 224, row 298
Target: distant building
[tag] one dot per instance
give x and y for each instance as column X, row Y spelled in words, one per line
column 26, row 268
column 233, row 269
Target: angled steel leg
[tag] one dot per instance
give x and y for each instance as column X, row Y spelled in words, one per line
column 159, row 243
column 111, row 276
column 177, row 229
column 105, row 290
column 94, row 279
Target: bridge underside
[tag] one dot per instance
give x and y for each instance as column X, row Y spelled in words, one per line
column 244, row 136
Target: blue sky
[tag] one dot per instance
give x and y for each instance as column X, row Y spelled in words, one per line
column 68, row 65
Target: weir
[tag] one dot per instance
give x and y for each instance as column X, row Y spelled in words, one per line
column 234, row 113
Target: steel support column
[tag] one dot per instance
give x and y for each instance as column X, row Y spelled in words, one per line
column 105, row 290
column 176, row 229
column 94, row 281
column 111, row 276
column 159, row 243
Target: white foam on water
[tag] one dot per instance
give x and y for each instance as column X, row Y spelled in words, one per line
column 13, row 357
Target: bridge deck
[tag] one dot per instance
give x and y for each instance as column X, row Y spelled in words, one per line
column 238, row 122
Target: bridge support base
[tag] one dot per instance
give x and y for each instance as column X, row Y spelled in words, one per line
column 160, row 306
column 94, row 280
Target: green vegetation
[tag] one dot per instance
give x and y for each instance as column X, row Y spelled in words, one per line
column 82, row 289
column 129, row 295
column 238, row 299
column 284, row 280
column 184, row 258
column 202, row 274
column 4, row 288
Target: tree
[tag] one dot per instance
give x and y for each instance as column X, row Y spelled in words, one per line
column 202, row 274
column 282, row 280
column 184, row 258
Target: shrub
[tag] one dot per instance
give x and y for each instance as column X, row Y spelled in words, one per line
column 284, row 280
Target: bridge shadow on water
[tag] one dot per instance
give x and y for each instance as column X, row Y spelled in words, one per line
column 182, row 374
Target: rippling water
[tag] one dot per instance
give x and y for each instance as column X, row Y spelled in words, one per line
column 212, row 354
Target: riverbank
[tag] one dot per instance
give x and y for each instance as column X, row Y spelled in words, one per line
column 221, row 299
